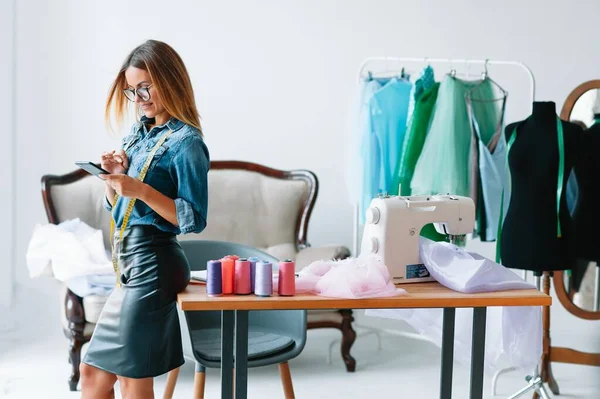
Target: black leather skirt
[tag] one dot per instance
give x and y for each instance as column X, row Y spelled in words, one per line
column 138, row 333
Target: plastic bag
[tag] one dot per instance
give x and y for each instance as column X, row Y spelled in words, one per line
column 362, row 277
column 513, row 334
column 467, row 272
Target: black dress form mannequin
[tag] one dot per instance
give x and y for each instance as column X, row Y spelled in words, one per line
column 529, row 238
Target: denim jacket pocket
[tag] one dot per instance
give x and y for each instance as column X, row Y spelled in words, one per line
column 142, row 159
column 129, row 141
column 158, row 156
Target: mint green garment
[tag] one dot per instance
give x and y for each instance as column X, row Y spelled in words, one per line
column 445, row 164
column 415, row 139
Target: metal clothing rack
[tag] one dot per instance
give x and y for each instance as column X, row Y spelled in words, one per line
column 427, row 61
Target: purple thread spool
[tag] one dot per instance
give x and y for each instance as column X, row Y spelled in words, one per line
column 213, row 278
column 241, row 277
column 264, row 279
column 252, row 260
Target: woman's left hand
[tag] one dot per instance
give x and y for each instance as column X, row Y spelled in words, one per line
column 124, row 185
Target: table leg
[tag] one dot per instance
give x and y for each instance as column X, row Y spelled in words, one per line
column 447, row 353
column 478, row 352
column 241, row 354
column 226, row 354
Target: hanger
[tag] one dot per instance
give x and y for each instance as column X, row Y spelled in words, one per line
column 484, row 74
column 452, row 69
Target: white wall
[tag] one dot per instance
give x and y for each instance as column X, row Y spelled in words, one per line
column 6, row 160
column 268, row 72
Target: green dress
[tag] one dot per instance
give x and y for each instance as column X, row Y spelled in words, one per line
column 415, row 138
column 411, row 150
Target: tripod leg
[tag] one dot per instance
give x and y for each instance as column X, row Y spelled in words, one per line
column 523, row 391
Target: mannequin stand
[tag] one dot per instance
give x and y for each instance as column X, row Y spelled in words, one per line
column 536, row 382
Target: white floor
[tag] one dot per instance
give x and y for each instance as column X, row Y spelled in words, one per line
column 33, row 361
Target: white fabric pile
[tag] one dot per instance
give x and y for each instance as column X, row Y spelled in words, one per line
column 74, row 253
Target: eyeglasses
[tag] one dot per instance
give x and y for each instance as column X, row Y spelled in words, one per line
column 143, row 92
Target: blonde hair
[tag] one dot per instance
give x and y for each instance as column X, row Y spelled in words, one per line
column 169, row 77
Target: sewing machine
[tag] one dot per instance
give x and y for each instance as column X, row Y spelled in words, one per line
column 393, row 228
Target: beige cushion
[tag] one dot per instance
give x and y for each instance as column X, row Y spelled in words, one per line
column 83, row 199
column 92, row 306
column 249, row 208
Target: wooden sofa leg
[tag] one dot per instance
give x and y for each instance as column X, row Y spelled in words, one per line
column 75, row 359
column 348, row 337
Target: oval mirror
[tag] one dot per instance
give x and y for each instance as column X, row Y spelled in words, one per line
column 579, row 289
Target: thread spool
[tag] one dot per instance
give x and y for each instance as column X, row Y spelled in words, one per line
column 253, row 260
column 286, row 285
column 263, row 285
column 227, row 265
column 214, row 280
column 241, row 282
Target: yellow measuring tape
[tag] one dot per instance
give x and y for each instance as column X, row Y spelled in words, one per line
column 130, row 204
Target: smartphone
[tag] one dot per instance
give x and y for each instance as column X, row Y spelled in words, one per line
column 91, row 168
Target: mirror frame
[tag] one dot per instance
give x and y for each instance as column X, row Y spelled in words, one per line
column 569, row 104
column 565, row 297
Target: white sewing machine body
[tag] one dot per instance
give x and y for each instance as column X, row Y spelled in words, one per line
column 394, row 224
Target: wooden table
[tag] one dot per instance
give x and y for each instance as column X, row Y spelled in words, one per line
column 419, row 295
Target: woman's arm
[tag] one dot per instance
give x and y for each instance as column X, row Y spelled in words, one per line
column 190, row 170
column 160, row 203
column 127, row 186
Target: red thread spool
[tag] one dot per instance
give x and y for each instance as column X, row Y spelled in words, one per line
column 241, row 282
column 227, row 266
column 286, row 285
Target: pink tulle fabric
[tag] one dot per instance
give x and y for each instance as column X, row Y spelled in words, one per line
column 362, row 277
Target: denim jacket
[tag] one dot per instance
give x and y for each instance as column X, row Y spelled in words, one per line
column 179, row 170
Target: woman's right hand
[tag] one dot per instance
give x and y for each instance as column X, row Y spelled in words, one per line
column 115, row 162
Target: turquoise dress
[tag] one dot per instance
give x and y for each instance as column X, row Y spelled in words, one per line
column 487, row 121
column 368, row 147
column 389, row 112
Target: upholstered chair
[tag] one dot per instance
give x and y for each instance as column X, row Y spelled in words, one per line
column 249, row 204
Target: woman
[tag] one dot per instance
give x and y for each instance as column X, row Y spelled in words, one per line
column 156, row 189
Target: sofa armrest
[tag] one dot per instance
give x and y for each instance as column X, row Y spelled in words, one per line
column 308, row 255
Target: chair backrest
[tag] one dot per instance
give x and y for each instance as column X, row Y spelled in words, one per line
column 259, row 206
column 248, row 204
column 291, row 322
column 76, row 195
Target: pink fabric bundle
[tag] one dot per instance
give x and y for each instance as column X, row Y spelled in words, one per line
column 362, row 277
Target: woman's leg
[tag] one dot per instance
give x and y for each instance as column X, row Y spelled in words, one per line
column 96, row 383
column 137, row 388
